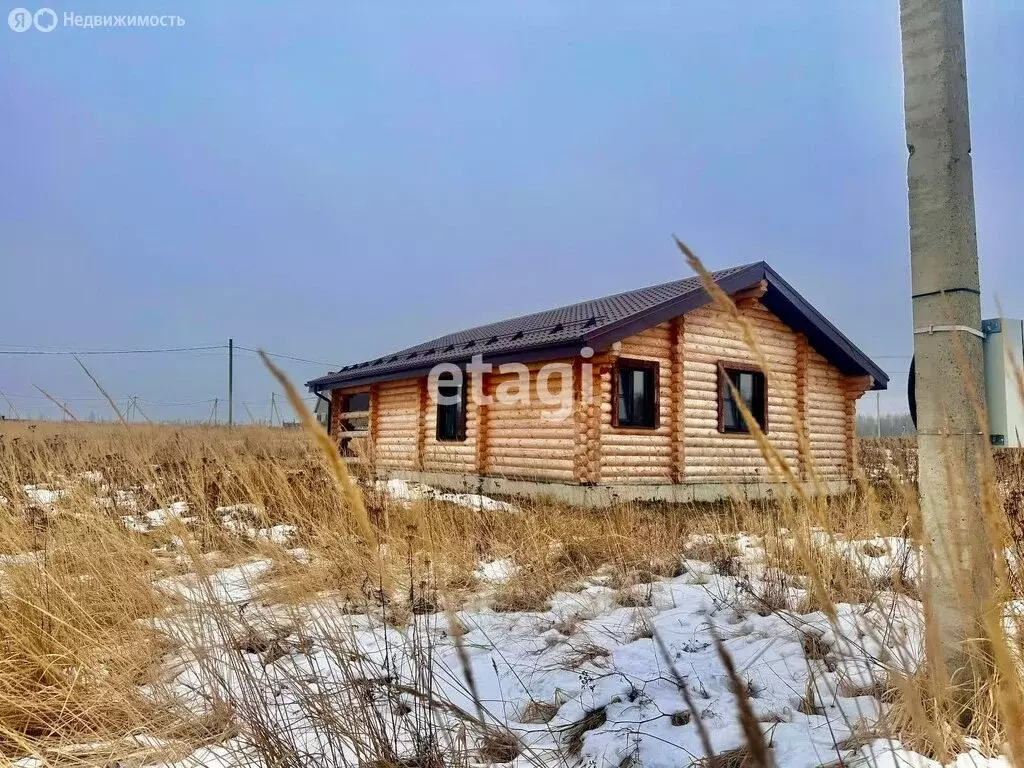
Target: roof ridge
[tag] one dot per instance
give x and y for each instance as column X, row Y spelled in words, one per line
column 607, row 297
column 651, row 287
column 599, row 322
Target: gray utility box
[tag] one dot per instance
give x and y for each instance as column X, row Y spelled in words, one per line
column 1004, row 363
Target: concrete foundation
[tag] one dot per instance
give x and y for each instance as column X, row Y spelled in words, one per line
column 598, row 496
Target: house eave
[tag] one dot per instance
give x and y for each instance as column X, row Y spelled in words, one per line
column 527, row 355
column 796, row 312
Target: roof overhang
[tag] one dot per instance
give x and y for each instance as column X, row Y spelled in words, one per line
column 795, row 311
column 779, row 297
column 534, row 354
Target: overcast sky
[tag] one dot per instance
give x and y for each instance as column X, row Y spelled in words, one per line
column 337, row 180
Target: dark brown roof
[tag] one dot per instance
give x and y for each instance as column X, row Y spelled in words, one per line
column 597, row 323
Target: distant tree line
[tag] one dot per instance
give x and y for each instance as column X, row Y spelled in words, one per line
column 889, row 424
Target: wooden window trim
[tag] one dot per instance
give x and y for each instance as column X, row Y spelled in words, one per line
column 460, row 427
column 631, row 362
column 727, row 365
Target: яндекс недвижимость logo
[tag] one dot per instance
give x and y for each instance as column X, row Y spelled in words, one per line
column 22, row 19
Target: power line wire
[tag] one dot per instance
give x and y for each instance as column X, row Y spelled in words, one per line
column 105, row 351
column 285, row 357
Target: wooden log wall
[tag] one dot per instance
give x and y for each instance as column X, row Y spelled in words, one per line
column 420, row 436
column 591, row 408
column 458, row 456
column 632, row 455
column 580, row 471
column 514, row 440
column 710, row 338
column 521, row 443
column 397, row 414
column 855, row 388
column 336, row 397
column 828, row 418
column 483, row 423
column 803, row 446
column 677, row 415
column 373, row 423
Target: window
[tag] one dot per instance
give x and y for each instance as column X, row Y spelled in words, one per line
column 357, row 403
column 635, row 394
column 751, row 386
column 451, row 416
column 351, row 421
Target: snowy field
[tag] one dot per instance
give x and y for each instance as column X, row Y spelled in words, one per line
column 609, row 675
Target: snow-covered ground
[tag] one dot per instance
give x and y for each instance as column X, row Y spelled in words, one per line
column 604, row 677
column 43, row 496
column 621, row 670
column 405, row 491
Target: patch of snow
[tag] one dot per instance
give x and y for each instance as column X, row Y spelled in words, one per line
column 238, row 509
column 121, row 499
column 158, row 518
column 889, row 753
column 496, row 570
column 412, row 492
column 25, row 558
column 229, row 586
column 878, row 557
column 37, row 494
column 238, row 526
column 214, row 757
column 238, row 519
column 277, row 534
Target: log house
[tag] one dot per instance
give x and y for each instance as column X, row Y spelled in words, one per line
column 645, row 380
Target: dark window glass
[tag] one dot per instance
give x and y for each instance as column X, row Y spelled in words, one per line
column 637, row 405
column 451, row 416
column 750, row 385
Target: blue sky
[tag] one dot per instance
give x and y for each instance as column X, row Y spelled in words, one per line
column 337, row 180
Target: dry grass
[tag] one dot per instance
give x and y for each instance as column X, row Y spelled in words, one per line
column 72, row 648
column 538, row 712
column 76, row 644
column 829, row 577
column 576, row 732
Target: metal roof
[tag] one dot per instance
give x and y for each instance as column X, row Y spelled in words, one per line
column 598, row 323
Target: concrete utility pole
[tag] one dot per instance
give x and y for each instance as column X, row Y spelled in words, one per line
column 947, row 330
